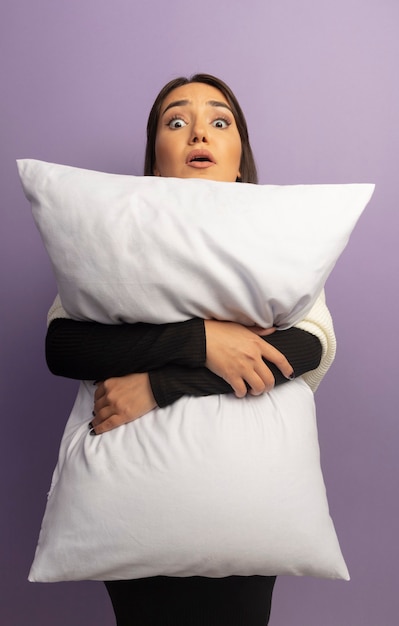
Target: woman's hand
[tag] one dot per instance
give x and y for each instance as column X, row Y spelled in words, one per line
column 235, row 353
column 121, row 400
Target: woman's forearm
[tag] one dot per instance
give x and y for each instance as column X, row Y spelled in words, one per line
column 169, row 383
column 173, row 354
column 93, row 351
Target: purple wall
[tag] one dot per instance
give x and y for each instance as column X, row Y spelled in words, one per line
column 318, row 81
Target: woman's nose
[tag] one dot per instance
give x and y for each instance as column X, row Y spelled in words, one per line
column 199, row 139
column 199, row 134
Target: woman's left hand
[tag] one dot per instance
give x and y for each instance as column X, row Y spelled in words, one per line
column 121, row 400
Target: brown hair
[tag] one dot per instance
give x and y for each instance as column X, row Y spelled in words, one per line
column 247, row 164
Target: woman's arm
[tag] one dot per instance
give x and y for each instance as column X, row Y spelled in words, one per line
column 169, row 383
column 93, row 351
column 96, row 351
column 127, row 398
column 120, row 400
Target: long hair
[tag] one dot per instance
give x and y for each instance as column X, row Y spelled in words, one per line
column 247, row 165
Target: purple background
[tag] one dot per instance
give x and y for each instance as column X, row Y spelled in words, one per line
column 318, row 81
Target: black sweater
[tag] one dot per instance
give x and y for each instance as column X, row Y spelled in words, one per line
column 173, row 355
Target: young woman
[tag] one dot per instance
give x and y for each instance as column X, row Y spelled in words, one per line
column 195, row 129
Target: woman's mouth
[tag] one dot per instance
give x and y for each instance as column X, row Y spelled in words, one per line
column 200, row 159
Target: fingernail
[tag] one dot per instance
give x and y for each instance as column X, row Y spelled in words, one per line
column 90, row 425
column 92, row 432
column 93, row 413
column 292, row 376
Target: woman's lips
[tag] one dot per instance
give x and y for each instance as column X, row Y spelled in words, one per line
column 200, row 159
column 200, row 165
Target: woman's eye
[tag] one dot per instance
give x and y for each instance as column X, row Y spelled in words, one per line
column 177, row 122
column 221, row 123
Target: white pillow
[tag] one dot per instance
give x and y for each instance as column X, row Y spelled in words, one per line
column 210, row 486
column 148, row 249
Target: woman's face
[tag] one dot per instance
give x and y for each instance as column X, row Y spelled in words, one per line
column 197, row 136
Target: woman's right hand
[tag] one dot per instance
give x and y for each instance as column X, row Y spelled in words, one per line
column 235, row 353
column 120, row 400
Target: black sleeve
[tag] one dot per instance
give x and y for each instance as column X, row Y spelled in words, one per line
column 171, row 382
column 174, row 354
column 93, row 351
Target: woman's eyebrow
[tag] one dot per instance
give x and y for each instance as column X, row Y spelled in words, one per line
column 176, row 103
column 212, row 103
column 217, row 103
